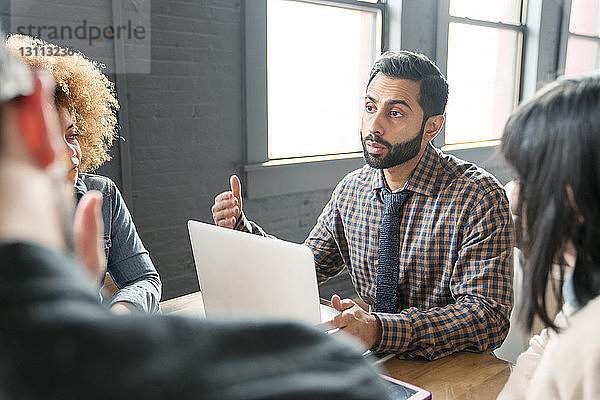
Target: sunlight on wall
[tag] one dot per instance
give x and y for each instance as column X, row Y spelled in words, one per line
column 318, row 60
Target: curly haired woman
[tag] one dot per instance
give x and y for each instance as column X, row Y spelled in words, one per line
column 86, row 103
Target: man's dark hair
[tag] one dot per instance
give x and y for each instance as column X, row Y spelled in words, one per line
column 433, row 94
column 553, row 142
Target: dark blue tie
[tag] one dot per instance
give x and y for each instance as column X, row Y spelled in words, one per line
column 388, row 262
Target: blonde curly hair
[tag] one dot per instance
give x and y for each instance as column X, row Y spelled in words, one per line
column 82, row 89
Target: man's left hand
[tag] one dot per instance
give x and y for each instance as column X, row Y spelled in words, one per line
column 355, row 321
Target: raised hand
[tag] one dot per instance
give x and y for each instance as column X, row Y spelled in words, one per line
column 228, row 205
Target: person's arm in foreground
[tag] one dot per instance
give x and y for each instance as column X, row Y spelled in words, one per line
column 62, row 345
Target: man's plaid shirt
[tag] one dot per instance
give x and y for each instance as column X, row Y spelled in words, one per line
column 455, row 278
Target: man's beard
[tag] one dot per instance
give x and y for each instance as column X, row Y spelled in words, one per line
column 398, row 153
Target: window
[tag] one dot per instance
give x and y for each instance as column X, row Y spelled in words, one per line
column 318, row 60
column 307, row 63
column 480, row 49
column 580, row 51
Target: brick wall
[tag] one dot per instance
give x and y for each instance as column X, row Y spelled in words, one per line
column 185, row 121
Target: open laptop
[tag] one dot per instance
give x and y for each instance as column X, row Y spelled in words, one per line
column 249, row 276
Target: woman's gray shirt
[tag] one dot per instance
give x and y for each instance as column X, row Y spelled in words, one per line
column 128, row 261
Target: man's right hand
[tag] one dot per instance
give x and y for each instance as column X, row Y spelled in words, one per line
column 228, row 205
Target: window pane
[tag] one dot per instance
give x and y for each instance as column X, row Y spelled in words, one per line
column 318, row 59
column 585, row 17
column 508, row 11
column 582, row 56
column 482, row 75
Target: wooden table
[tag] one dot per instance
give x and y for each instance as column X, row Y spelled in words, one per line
column 458, row 376
column 190, row 304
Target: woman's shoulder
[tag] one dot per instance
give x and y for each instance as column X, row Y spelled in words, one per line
column 98, row 182
column 581, row 323
column 571, row 362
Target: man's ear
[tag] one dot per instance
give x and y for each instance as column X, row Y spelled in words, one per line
column 37, row 124
column 433, row 125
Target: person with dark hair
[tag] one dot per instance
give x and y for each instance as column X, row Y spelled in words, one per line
column 426, row 237
column 58, row 342
column 553, row 144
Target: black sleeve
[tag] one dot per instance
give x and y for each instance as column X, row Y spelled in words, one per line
column 58, row 342
column 177, row 358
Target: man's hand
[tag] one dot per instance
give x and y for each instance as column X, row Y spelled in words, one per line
column 88, row 230
column 355, row 321
column 228, row 205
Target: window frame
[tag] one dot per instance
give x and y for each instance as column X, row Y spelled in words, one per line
column 566, row 34
column 292, row 175
column 484, row 152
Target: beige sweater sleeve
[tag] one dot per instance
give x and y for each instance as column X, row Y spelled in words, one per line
column 527, row 363
column 522, row 372
column 570, row 366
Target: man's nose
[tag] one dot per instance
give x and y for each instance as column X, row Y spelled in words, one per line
column 376, row 126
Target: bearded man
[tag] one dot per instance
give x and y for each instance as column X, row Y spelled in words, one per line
column 426, row 237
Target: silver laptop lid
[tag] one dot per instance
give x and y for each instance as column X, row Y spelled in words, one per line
column 248, row 276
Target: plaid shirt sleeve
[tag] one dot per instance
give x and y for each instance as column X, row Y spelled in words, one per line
column 481, row 285
column 326, row 240
column 245, row 225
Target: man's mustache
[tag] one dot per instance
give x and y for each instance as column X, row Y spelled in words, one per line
column 378, row 140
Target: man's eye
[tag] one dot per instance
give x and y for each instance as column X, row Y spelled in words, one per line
column 369, row 107
column 395, row 113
